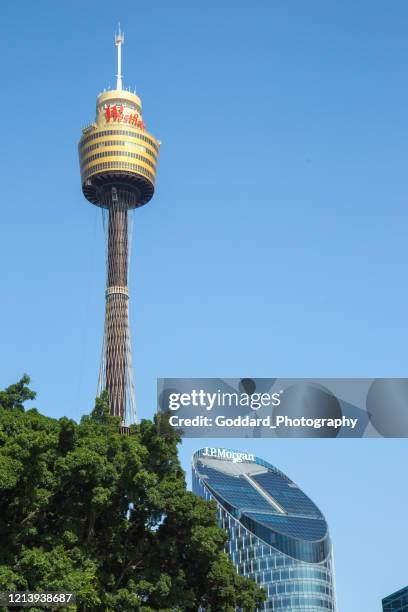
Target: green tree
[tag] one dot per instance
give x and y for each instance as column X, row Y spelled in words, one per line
column 107, row 516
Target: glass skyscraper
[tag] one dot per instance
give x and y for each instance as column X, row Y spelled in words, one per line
column 397, row 602
column 277, row 536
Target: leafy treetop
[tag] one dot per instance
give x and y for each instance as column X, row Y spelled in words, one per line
column 107, row 516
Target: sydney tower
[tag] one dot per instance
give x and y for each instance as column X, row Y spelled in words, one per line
column 118, row 160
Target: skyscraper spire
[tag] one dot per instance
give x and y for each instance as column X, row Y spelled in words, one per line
column 119, row 40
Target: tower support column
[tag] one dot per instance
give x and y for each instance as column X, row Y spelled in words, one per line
column 116, row 375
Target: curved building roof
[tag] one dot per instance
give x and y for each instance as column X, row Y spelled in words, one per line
column 265, row 501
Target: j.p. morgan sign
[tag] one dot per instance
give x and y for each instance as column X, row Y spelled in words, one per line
column 227, row 455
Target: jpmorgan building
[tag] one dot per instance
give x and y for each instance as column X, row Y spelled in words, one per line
column 277, row 535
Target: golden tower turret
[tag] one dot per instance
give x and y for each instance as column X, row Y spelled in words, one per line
column 118, row 160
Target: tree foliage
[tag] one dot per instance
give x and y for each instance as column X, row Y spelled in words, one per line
column 107, row 516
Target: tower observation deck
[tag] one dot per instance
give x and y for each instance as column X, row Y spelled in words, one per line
column 118, row 160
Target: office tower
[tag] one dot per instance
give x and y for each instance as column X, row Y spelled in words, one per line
column 397, row 602
column 276, row 535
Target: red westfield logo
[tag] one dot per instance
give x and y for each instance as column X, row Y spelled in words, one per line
column 115, row 113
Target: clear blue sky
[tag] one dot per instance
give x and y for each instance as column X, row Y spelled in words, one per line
column 276, row 244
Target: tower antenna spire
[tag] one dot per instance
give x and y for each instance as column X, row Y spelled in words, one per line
column 119, row 40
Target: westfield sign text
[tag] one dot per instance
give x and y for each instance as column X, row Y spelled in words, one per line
column 116, row 113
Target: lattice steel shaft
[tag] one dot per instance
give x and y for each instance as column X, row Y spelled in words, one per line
column 116, row 376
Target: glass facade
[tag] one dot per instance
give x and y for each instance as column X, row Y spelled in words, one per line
column 117, row 153
column 277, row 536
column 133, row 134
column 397, row 602
column 117, row 165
